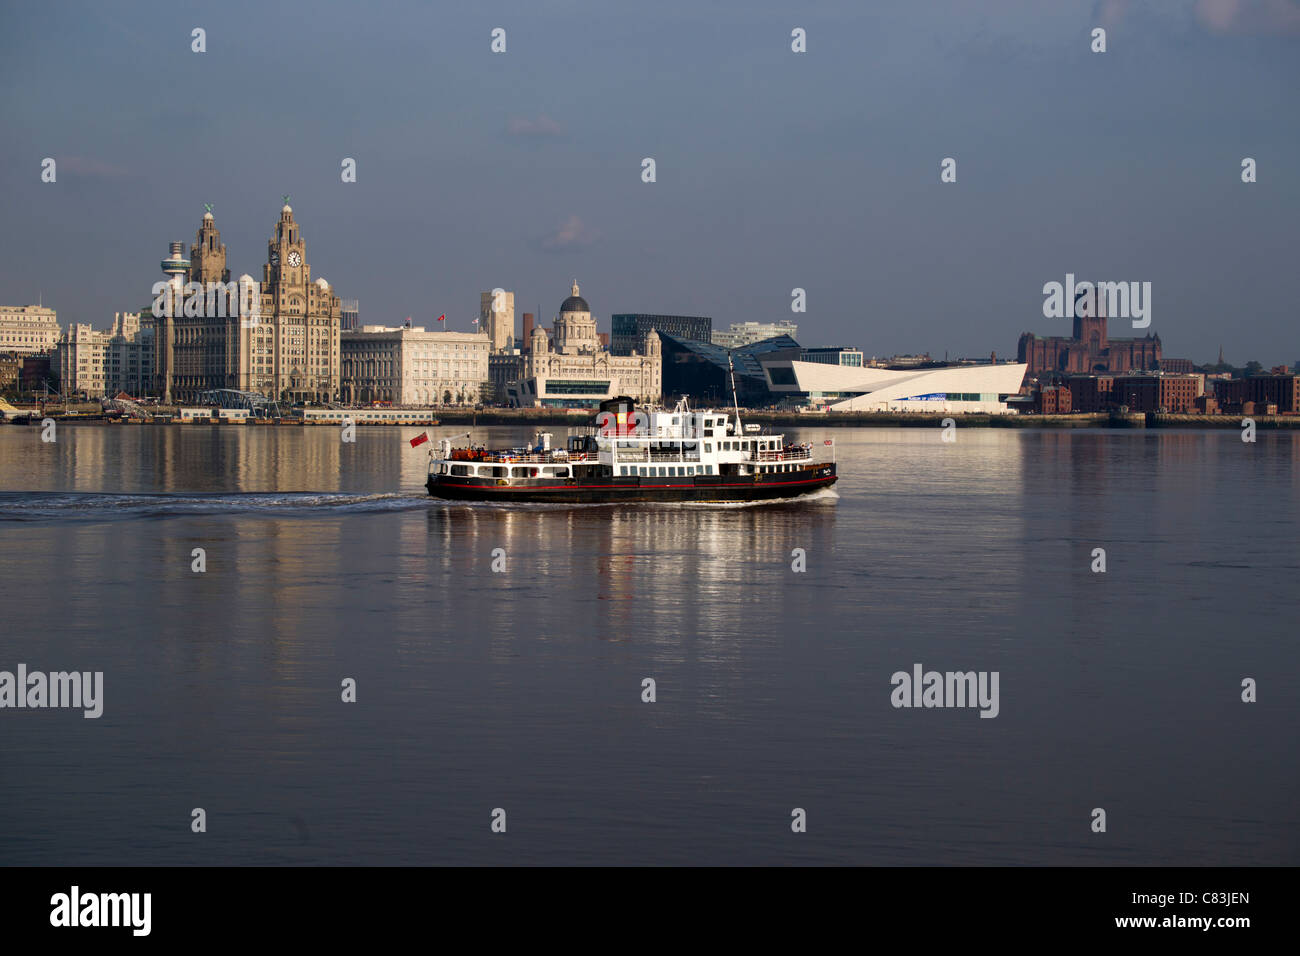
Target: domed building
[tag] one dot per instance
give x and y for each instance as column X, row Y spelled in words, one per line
column 570, row 368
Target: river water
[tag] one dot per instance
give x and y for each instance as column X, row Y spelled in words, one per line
column 521, row 689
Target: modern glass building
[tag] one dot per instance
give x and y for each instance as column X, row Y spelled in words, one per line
column 629, row 330
column 699, row 370
column 849, row 357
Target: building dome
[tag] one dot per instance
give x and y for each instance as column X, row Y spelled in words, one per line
column 575, row 302
column 246, row 279
column 322, row 283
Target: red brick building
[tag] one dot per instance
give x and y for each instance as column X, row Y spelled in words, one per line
column 1090, row 350
column 1091, row 393
column 1261, row 391
column 1052, row 400
column 1175, row 394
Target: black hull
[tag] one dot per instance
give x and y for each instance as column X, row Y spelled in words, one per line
column 617, row 490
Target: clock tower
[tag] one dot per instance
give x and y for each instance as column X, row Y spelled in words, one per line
column 294, row 345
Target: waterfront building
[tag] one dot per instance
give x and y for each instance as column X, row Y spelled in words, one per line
column 95, row 363
column 702, row 371
column 948, row 388
column 1143, row 392
column 1261, row 391
column 28, row 329
column 11, row 366
column 572, row 369
column 1090, row 393
column 834, row 356
column 130, row 354
column 628, row 330
column 496, row 317
column 37, row 374
column 409, row 366
column 503, row 368
column 281, row 341
column 1160, row 392
column 747, row 333
column 291, row 351
column 80, row 361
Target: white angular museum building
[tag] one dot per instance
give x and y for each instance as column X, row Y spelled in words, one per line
column 950, row 388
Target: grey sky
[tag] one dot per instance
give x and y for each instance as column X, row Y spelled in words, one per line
column 775, row 170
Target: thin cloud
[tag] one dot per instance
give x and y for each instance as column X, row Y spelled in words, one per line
column 1255, row 17
column 1111, row 12
column 573, row 233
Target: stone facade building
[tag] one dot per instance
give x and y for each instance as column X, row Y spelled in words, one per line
column 28, row 329
column 96, row 363
column 571, row 368
column 279, row 337
column 294, row 345
column 496, row 317
column 412, row 367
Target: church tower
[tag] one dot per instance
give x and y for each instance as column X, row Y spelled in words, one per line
column 1090, row 324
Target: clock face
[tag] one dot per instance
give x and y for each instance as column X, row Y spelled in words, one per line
column 275, row 258
column 295, row 260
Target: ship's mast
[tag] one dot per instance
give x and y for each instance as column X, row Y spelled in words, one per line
column 731, row 368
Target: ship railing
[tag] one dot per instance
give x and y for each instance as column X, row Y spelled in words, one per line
column 558, row 457
column 793, row 453
column 640, row 454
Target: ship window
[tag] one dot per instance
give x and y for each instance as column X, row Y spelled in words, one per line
column 622, row 471
column 708, row 447
column 460, row 471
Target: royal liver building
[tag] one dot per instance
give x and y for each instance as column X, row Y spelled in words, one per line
column 278, row 337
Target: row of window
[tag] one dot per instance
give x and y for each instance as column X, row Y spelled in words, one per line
column 665, row 471
column 367, row 415
column 504, row 471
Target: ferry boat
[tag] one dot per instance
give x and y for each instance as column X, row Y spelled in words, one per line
column 634, row 455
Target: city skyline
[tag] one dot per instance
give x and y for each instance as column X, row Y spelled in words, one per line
column 775, row 170
column 470, row 319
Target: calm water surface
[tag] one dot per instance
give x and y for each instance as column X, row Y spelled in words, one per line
column 522, row 689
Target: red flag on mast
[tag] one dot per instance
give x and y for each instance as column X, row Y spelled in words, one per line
column 442, row 317
column 420, row 439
